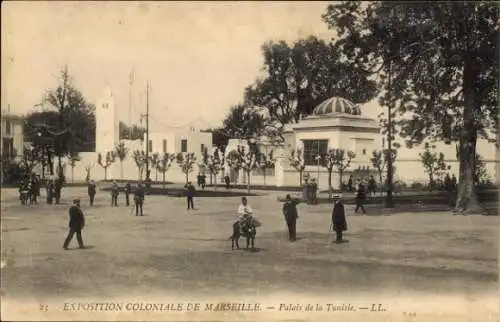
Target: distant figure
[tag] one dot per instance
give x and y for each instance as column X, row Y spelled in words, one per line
column 76, row 224
column 35, row 188
column 339, row 223
column 314, row 191
column 139, row 198
column 203, row 181
column 360, row 198
column 128, row 190
column 291, row 216
column 350, row 188
column 91, row 190
column 372, row 186
column 190, row 191
column 115, row 191
column 453, row 183
column 50, row 191
column 58, row 188
column 227, row 181
column 447, row 182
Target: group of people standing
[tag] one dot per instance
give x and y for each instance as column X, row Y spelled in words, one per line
column 138, row 193
column 30, row 186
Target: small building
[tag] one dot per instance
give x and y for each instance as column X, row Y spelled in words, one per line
column 12, row 129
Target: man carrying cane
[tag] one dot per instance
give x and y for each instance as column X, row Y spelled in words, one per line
column 339, row 224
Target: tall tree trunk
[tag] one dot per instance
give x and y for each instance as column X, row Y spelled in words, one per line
column 164, row 179
column 72, row 174
column 330, row 179
column 187, row 177
column 105, row 173
column 121, row 169
column 264, row 176
column 215, row 181
column 300, row 177
column 466, row 195
column 248, row 181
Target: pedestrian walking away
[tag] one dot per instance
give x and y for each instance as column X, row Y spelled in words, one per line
column 91, row 189
column 128, row 189
column 291, row 216
column 115, row 191
column 76, row 224
column 339, row 223
column 139, row 199
column 360, row 199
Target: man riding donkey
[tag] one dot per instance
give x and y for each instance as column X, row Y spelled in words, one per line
column 245, row 225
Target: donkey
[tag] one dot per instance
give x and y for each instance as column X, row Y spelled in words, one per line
column 248, row 230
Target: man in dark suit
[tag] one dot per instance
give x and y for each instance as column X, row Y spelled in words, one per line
column 291, row 215
column 339, row 223
column 360, row 198
column 190, row 190
column 139, row 198
column 92, row 188
column 115, row 191
column 76, row 224
column 128, row 189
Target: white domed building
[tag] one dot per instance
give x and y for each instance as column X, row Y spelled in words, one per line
column 334, row 123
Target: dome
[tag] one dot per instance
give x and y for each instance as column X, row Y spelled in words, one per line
column 335, row 105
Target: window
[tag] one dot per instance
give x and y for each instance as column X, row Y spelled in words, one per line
column 184, row 145
column 8, row 127
column 150, row 146
column 105, row 105
column 164, row 146
column 313, row 148
column 202, row 148
column 364, row 151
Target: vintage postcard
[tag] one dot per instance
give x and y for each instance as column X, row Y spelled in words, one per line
column 249, row 161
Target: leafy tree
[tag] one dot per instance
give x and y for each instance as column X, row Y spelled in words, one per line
column 339, row 159
column 154, row 160
column 130, row 132
column 75, row 127
column 244, row 158
column 121, row 152
column 140, row 161
column 106, row 162
column 87, row 168
column 29, row 159
column 434, row 165
column 265, row 161
column 439, row 69
column 480, row 172
column 296, row 159
column 164, row 164
column 73, row 158
column 215, row 163
column 242, row 123
column 379, row 161
column 186, row 162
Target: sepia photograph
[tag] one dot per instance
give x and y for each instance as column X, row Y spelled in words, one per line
column 250, row 161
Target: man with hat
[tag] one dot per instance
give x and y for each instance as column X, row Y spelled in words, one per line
column 339, row 223
column 76, row 224
column 291, row 215
column 139, row 198
column 190, row 190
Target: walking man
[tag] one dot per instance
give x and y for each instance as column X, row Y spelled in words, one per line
column 372, row 186
column 114, row 194
column 76, row 224
column 291, row 216
column 139, row 199
column 190, row 190
column 339, row 223
column 91, row 189
column 128, row 189
column 227, row 181
column 360, row 198
column 349, row 184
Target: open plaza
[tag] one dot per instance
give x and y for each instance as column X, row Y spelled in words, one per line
column 172, row 253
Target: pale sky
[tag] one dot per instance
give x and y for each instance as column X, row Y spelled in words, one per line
column 198, row 56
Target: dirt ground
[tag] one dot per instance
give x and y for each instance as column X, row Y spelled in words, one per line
column 187, row 253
